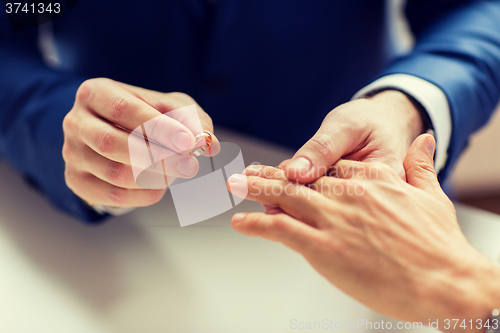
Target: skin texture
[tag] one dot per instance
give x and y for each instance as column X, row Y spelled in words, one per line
column 395, row 246
column 96, row 139
column 380, row 128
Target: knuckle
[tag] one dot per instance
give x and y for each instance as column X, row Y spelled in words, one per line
column 73, row 178
column 268, row 172
column 68, row 177
column 66, row 152
column 343, row 116
column 333, row 115
column 256, row 169
column 321, row 144
column 253, row 223
column 378, row 169
column 253, row 183
column 85, row 90
column 117, row 109
column 117, row 173
column 106, row 142
column 154, row 131
column 118, row 196
column 181, row 96
column 279, row 223
column 421, row 167
column 280, row 191
column 289, row 189
column 253, row 187
column 67, row 123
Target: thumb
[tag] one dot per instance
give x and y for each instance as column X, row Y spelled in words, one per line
column 419, row 164
column 322, row 151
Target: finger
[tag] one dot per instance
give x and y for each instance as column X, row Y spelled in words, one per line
column 98, row 192
column 172, row 167
column 419, row 164
column 271, row 209
column 162, row 160
column 115, row 104
column 325, row 148
column 283, row 164
column 395, row 163
column 121, row 175
column 297, row 200
column 187, row 112
column 264, row 171
column 192, row 122
column 280, row 228
column 177, row 105
column 342, row 191
column 110, row 171
column 116, row 145
column 347, row 169
column 194, row 118
column 181, row 107
column 107, row 139
column 352, row 169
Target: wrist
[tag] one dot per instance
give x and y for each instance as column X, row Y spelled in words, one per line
column 411, row 116
column 468, row 295
column 485, row 294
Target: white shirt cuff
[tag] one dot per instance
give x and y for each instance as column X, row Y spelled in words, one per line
column 116, row 211
column 431, row 97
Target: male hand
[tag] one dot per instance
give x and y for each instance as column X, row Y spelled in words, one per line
column 380, row 128
column 96, row 141
column 394, row 246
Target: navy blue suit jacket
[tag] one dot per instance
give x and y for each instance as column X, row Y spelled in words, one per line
column 266, row 68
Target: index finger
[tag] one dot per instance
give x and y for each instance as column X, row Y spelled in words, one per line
column 297, row 200
column 115, row 104
column 180, row 107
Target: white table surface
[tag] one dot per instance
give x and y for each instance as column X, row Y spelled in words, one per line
column 143, row 273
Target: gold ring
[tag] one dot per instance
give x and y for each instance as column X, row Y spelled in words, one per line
column 202, row 136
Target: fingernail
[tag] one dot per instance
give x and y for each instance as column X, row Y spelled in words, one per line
column 188, row 167
column 236, row 179
column 238, row 217
column 182, row 141
column 300, row 164
column 430, row 145
column 252, row 169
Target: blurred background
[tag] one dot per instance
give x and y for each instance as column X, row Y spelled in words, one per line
column 475, row 179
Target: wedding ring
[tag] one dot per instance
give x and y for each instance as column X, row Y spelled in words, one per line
column 197, row 151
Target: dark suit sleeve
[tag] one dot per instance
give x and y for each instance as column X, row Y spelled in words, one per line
column 33, row 102
column 458, row 50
